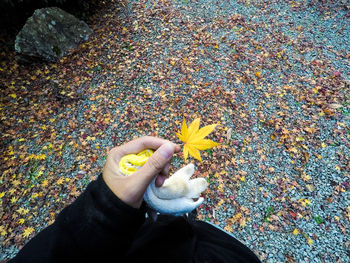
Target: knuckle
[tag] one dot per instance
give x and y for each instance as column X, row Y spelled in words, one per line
column 145, row 138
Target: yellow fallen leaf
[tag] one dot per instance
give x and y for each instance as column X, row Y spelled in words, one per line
column 13, row 200
column 300, row 139
column 45, row 183
column 243, row 222
column 28, row 231
column 228, row 228
column 60, row 181
column 310, row 241
column 193, row 137
column 220, row 203
column 13, row 95
column 3, row 231
column 296, row 232
column 22, row 211
column 16, row 182
column 304, row 202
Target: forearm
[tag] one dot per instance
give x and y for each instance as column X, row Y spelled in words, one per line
column 96, row 225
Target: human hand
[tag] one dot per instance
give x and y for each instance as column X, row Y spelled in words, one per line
column 131, row 189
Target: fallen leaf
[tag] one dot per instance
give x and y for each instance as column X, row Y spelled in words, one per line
column 229, row 134
column 28, row 231
column 335, row 106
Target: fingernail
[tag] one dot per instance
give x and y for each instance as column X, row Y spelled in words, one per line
column 167, row 150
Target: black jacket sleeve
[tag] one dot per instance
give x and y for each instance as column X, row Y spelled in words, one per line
column 96, row 226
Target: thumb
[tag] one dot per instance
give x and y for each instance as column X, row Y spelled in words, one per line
column 158, row 160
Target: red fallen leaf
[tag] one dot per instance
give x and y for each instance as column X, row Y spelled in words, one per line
column 207, row 208
column 336, row 74
column 293, row 215
column 5, row 217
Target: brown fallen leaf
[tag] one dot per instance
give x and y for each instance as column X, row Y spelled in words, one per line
column 306, row 156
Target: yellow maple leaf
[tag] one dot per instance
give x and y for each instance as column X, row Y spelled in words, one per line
column 296, row 231
column 3, row 232
column 193, row 137
column 28, row 231
column 45, row 183
column 13, row 200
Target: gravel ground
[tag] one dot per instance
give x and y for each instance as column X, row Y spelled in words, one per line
column 275, row 73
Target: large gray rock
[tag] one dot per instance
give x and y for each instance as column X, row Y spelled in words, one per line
column 49, row 34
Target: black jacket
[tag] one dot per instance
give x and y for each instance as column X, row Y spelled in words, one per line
column 99, row 227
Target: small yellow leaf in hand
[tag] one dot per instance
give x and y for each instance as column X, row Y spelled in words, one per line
column 193, row 137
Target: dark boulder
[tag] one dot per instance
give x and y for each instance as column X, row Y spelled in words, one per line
column 49, row 34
